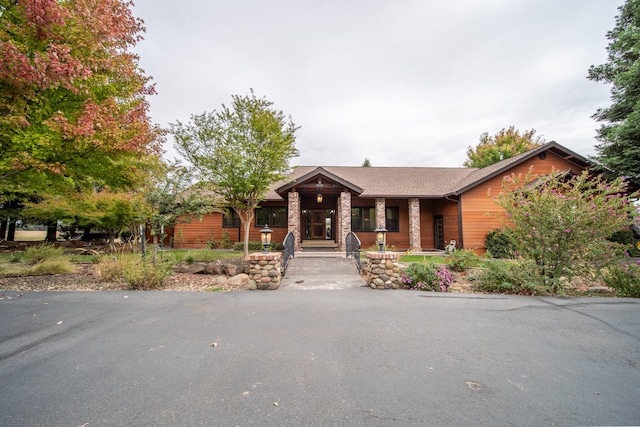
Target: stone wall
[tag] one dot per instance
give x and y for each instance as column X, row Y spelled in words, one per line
column 265, row 271
column 382, row 271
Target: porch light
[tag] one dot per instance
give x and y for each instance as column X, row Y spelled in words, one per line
column 265, row 237
column 319, row 198
column 381, row 237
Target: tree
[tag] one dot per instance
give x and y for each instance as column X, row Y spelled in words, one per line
column 618, row 152
column 240, row 151
column 73, row 112
column 366, row 163
column 104, row 210
column 563, row 222
column 172, row 198
column 503, row 145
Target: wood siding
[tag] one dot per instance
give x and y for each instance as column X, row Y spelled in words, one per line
column 197, row 233
column 481, row 214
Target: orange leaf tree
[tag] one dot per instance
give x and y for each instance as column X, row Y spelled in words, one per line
column 73, row 108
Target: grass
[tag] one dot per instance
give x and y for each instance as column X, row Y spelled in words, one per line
column 199, row 255
column 36, row 261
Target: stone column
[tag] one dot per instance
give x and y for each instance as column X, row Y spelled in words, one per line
column 344, row 223
column 293, row 217
column 265, row 271
column 381, row 215
column 415, row 244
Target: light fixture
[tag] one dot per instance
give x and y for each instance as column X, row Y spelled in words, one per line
column 381, row 237
column 319, row 198
column 265, row 237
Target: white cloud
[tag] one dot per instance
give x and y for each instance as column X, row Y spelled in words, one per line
column 402, row 83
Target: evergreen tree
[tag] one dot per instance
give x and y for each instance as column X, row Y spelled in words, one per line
column 619, row 135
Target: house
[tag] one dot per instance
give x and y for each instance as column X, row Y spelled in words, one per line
column 422, row 208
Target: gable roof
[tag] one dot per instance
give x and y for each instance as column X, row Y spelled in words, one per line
column 406, row 182
column 482, row 175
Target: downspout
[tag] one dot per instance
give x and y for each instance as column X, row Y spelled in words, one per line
column 460, row 238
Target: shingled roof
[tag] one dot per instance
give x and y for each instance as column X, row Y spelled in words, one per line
column 422, row 182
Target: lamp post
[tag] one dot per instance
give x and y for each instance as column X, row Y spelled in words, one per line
column 265, row 237
column 381, row 237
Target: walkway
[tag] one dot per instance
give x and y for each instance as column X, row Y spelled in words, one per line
column 316, row 273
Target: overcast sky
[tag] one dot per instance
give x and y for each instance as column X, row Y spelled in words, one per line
column 401, row 82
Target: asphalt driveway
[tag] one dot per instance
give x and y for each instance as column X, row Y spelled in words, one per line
column 320, row 358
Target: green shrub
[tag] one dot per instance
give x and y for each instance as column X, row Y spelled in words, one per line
column 501, row 243
column 225, row 240
column 514, row 277
column 36, row 254
column 426, row 277
column 624, row 277
column 628, row 239
column 461, row 260
column 257, row 246
column 131, row 269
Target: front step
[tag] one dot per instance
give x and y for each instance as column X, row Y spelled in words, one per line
column 318, row 246
column 324, row 244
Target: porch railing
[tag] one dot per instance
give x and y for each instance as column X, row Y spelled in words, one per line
column 289, row 249
column 353, row 247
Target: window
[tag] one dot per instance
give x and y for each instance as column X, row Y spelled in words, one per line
column 364, row 219
column 272, row 216
column 392, row 216
column 230, row 219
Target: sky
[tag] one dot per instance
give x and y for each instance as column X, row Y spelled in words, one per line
column 399, row 82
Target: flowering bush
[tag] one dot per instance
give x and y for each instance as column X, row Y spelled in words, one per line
column 425, row 277
column 562, row 221
column 624, row 277
column 461, row 260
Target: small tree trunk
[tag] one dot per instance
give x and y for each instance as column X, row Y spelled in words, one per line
column 52, row 232
column 11, row 231
column 86, row 234
column 247, row 224
column 3, row 229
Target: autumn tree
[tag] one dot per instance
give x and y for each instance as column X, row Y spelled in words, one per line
column 73, row 112
column 503, row 145
column 240, row 151
column 618, row 152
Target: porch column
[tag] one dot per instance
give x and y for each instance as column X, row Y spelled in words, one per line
column 293, row 217
column 381, row 217
column 344, row 219
column 415, row 244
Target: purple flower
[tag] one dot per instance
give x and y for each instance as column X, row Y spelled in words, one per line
column 567, row 230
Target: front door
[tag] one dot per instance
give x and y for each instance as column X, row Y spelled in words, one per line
column 318, row 230
column 438, row 231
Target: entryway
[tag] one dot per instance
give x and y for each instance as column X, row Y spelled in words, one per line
column 321, row 273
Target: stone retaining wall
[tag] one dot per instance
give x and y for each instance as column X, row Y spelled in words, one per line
column 382, row 271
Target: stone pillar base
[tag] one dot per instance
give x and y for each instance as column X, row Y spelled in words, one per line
column 381, row 270
column 265, row 271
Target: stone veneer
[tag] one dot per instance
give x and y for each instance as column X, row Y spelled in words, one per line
column 381, row 214
column 382, row 271
column 415, row 244
column 265, row 271
column 293, row 220
column 344, row 219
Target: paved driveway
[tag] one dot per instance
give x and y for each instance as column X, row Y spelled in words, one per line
column 320, row 358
